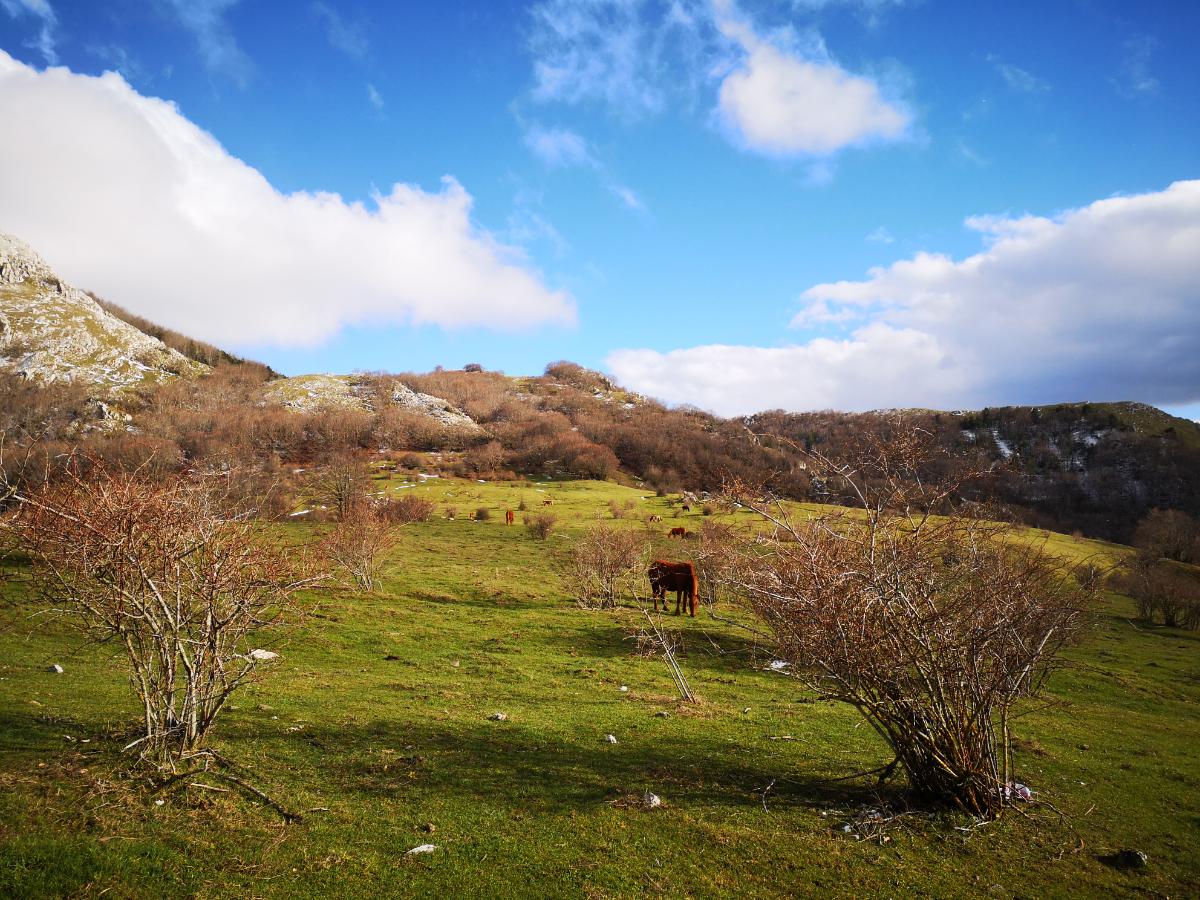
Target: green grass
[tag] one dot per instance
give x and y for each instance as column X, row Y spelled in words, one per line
column 478, row 623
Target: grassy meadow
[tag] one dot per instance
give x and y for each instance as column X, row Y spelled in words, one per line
column 374, row 725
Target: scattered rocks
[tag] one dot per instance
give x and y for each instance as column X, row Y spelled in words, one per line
column 1126, row 859
column 499, row 717
column 56, row 669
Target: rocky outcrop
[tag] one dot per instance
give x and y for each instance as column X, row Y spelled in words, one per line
column 311, row 392
column 52, row 331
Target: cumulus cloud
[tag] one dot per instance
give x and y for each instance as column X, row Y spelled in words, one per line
column 1101, row 303
column 205, row 19
column 152, row 212
column 44, row 13
column 783, row 102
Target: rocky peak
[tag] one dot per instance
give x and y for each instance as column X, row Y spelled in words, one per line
column 52, row 331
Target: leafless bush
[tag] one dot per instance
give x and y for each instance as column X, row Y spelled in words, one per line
column 541, row 525
column 171, row 570
column 342, row 485
column 603, row 564
column 359, row 543
column 1162, row 591
column 482, row 514
column 932, row 627
column 406, row 508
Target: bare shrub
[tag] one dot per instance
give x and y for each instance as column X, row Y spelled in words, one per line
column 541, row 525
column 1162, row 590
column 342, row 485
column 450, row 512
column 482, row 514
column 931, row 627
column 359, row 543
column 616, row 510
column 603, row 564
column 172, row 571
column 406, row 508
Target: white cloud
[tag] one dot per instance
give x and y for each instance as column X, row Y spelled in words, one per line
column 1100, row 303
column 558, row 147
column 152, row 212
column 42, row 10
column 1134, row 78
column 627, row 196
column 1017, row 78
column 205, row 19
column 631, row 55
column 349, row 37
column 375, row 98
column 881, row 235
column 780, row 101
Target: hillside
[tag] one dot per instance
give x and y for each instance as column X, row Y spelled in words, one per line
column 374, row 724
column 1092, row 467
column 51, row 331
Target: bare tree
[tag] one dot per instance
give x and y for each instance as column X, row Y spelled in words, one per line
column 170, row 571
column 360, row 542
column 604, row 563
column 930, row 623
column 341, row 485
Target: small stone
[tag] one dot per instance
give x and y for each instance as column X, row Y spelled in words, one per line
column 662, row 714
column 746, row 710
column 624, row 689
column 652, row 801
column 610, row 738
column 56, row 669
column 429, row 828
column 263, row 654
column 499, row 717
column 159, row 802
column 1084, row 747
column 421, row 848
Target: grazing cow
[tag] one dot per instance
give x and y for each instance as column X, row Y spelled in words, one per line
column 679, row 577
column 653, row 519
column 686, row 508
column 677, row 532
column 547, row 502
column 509, row 518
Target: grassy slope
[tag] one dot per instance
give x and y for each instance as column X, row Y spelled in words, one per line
column 479, row 624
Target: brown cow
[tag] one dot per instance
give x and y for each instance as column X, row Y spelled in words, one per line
column 679, row 577
column 547, row 502
column 678, row 532
column 654, row 519
column 509, row 518
column 686, row 508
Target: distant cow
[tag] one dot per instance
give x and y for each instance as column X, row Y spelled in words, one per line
column 679, row 577
column 653, row 519
column 509, row 518
column 686, row 508
column 677, row 532
column 547, row 502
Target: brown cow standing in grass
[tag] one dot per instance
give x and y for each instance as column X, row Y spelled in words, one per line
column 509, row 517
column 679, row 577
column 677, row 532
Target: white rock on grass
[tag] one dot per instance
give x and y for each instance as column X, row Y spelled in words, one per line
column 499, row 717
column 652, row 801
column 610, row 739
column 56, row 669
column 263, row 654
column 421, row 848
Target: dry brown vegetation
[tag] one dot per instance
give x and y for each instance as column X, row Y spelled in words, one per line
column 930, row 623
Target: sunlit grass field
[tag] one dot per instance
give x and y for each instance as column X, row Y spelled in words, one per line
column 374, row 725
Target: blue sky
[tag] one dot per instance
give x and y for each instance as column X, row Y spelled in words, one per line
column 800, row 204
